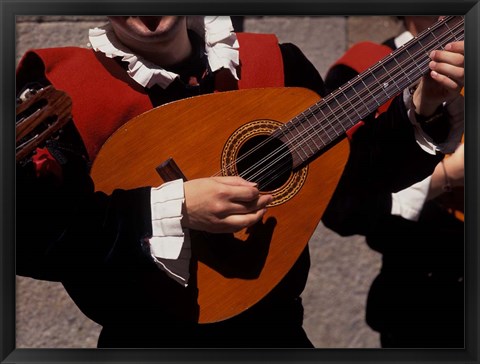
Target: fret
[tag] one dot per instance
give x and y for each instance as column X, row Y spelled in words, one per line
column 399, row 60
column 321, row 132
column 320, row 127
column 352, row 106
column 335, row 115
column 425, row 57
column 300, row 144
column 298, row 139
column 368, row 79
column 340, row 99
column 315, row 132
column 315, row 129
column 327, row 126
column 451, row 31
column 285, row 130
column 438, row 42
column 306, row 132
column 359, row 97
column 423, row 43
column 420, row 71
column 401, row 80
column 392, row 80
column 369, row 101
column 382, row 86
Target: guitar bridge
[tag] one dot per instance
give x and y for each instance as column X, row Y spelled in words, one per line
column 170, row 171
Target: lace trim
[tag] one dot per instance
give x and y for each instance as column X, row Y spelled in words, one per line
column 221, row 46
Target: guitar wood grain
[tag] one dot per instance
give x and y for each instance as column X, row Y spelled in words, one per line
column 193, row 132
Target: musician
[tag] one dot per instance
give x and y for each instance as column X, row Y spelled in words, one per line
column 417, row 298
column 123, row 268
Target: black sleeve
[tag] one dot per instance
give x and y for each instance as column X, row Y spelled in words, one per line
column 337, row 76
column 384, row 158
column 64, row 227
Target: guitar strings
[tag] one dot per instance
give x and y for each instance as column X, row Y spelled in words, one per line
column 265, row 176
column 286, row 168
column 266, row 163
column 360, row 95
column 314, row 111
column 367, row 91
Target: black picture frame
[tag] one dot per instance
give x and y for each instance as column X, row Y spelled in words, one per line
column 12, row 8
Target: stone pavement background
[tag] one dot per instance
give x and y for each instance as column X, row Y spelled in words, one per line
column 342, row 267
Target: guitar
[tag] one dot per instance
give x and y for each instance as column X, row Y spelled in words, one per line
column 40, row 115
column 270, row 136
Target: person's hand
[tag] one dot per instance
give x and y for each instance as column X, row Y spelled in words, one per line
column 444, row 81
column 222, row 204
column 455, row 167
column 450, row 170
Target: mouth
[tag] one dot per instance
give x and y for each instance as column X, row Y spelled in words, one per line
column 151, row 22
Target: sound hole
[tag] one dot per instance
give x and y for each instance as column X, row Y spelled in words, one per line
column 266, row 161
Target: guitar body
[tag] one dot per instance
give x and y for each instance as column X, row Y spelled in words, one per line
column 204, row 135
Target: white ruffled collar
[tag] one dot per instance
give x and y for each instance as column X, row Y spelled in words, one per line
column 221, row 47
column 403, row 38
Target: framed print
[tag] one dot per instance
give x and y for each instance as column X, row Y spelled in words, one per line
column 40, row 321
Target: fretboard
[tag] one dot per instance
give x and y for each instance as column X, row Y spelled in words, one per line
column 323, row 123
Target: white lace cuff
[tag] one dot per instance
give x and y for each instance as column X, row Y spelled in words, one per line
column 408, row 203
column 170, row 244
column 455, row 111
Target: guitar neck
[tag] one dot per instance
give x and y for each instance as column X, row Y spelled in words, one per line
column 326, row 121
